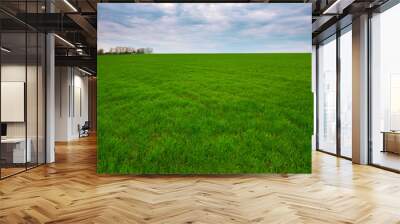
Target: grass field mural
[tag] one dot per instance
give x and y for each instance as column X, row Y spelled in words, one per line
column 206, row 111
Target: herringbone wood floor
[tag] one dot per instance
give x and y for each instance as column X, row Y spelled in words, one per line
column 69, row 191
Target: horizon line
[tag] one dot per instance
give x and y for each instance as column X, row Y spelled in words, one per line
column 271, row 52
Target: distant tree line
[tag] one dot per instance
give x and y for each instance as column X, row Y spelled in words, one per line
column 126, row 50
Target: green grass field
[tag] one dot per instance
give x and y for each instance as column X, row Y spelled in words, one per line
column 204, row 113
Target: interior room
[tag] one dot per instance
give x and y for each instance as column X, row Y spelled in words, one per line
column 22, row 100
column 335, row 82
column 28, row 56
column 71, row 103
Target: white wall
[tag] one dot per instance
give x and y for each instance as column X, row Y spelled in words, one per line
column 17, row 73
column 62, row 82
column 14, row 72
column 13, row 101
column 70, row 83
column 33, row 126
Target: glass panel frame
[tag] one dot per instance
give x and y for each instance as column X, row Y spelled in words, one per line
column 31, row 99
column 338, row 103
column 14, row 147
column 327, row 95
column 345, row 55
column 384, row 133
column 25, row 62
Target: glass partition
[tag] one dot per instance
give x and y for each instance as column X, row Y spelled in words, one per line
column 14, row 153
column 346, row 92
column 31, row 100
column 41, row 96
column 22, row 77
column 327, row 95
column 385, row 89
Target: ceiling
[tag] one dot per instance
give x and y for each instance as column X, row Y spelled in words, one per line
column 75, row 22
column 330, row 15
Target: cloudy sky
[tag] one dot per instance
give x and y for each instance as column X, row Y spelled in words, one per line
column 206, row 28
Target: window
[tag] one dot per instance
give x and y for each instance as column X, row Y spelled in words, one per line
column 346, row 92
column 385, row 89
column 327, row 95
column 22, row 77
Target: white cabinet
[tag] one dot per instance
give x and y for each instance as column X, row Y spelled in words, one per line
column 19, row 155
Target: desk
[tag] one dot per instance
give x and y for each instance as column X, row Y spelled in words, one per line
column 391, row 141
column 13, row 150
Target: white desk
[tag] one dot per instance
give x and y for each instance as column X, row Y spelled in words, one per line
column 18, row 149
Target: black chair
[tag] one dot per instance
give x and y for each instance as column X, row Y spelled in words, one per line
column 84, row 130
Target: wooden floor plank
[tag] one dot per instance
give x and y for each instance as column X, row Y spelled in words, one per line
column 70, row 191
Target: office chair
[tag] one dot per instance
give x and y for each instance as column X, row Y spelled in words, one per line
column 84, row 130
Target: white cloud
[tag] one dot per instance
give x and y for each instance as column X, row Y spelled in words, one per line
column 184, row 28
column 167, row 8
column 261, row 15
